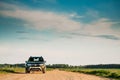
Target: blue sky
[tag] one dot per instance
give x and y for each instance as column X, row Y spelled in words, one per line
column 74, row 32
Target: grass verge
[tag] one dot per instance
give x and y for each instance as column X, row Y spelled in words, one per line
column 108, row 73
column 16, row 70
column 11, row 70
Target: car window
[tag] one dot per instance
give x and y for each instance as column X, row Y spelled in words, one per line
column 41, row 59
column 36, row 59
column 30, row 59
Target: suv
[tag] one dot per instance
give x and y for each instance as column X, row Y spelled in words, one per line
column 35, row 64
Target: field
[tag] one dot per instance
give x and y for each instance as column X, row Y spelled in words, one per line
column 11, row 70
column 109, row 73
column 7, row 70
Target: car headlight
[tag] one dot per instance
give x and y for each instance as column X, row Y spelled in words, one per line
column 28, row 64
column 41, row 64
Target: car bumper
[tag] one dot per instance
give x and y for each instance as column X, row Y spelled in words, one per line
column 35, row 68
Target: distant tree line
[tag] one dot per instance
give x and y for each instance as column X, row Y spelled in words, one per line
column 12, row 65
column 66, row 66
column 103, row 66
column 58, row 66
column 85, row 66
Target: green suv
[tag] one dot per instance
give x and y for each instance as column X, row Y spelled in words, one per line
column 35, row 64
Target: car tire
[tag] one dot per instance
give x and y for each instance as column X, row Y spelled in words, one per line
column 44, row 70
column 26, row 70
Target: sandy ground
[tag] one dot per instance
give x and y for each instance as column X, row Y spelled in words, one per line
column 50, row 75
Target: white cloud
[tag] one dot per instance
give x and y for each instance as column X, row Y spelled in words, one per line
column 74, row 15
column 40, row 20
column 101, row 50
column 101, row 26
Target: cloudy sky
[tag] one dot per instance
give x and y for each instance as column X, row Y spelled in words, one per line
column 76, row 32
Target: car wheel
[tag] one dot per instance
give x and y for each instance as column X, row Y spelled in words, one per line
column 44, row 70
column 26, row 70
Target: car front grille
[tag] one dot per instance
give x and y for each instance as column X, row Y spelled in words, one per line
column 35, row 65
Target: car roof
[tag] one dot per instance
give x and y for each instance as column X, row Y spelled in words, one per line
column 35, row 56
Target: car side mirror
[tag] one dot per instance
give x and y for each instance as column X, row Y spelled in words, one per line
column 44, row 61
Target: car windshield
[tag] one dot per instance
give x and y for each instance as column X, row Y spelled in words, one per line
column 36, row 59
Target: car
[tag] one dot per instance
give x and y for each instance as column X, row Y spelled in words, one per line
column 35, row 63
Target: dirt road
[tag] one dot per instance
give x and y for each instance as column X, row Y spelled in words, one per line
column 51, row 75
